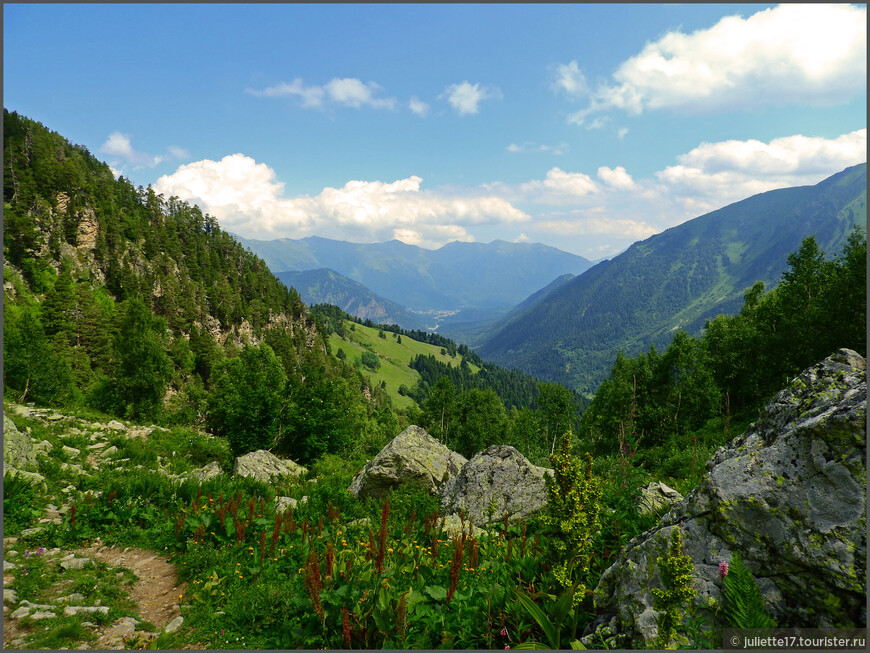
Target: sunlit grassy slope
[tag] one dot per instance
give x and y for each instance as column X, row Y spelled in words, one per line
column 394, row 357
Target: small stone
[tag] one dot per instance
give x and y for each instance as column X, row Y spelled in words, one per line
column 20, row 612
column 75, row 597
column 115, row 425
column 97, row 445
column 10, row 596
column 12, row 554
column 282, row 504
column 72, row 452
column 109, row 451
column 9, row 565
column 174, row 625
column 30, row 532
column 75, row 563
column 38, row 616
column 73, row 610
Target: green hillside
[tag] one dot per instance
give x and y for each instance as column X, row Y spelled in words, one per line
column 394, row 356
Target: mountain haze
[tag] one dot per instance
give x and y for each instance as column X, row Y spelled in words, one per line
column 458, row 275
column 674, row 280
column 325, row 286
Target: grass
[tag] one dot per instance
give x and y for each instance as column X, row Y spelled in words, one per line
column 394, row 358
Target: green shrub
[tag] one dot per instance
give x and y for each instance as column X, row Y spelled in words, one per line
column 21, row 504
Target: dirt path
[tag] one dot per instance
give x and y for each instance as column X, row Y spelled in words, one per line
column 155, row 593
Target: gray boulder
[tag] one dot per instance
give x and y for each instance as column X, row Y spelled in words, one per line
column 210, row 471
column 412, row 458
column 789, row 496
column 497, row 481
column 18, row 450
column 263, row 465
column 655, row 496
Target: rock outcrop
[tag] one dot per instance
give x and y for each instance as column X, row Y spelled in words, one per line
column 263, row 466
column 789, row 496
column 496, row 482
column 412, row 458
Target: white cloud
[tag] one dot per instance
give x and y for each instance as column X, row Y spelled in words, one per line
column 792, row 54
column 346, row 91
column 120, row 147
column 353, row 93
column 529, row 146
column 418, row 106
column 178, row 152
column 559, row 186
column 616, row 177
column 597, row 223
column 715, row 174
column 570, row 79
column 312, row 96
column 246, row 198
column 466, row 97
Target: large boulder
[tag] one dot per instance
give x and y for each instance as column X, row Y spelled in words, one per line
column 412, row 458
column 18, row 450
column 496, row 482
column 263, row 466
column 789, row 496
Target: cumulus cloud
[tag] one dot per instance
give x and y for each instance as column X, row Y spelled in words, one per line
column 714, row 174
column 120, row 147
column 345, row 91
column 792, row 54
column 465, row 98
column 616, row 177
column 246, row 198
column 559, row 186
column 418, row 106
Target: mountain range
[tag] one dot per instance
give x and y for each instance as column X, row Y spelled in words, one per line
column 673, row 280
column 491, row 277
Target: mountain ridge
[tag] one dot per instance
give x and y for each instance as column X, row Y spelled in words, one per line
column 674, row 280
column 496, row 275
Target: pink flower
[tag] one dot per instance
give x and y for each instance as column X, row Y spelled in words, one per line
column 504, row 631
column 723, row 569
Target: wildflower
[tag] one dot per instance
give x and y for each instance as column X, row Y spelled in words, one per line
column 723, row 569
column 504, row 631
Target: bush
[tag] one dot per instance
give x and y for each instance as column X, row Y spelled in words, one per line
column 370, row 360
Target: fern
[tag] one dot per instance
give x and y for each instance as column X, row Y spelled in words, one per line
column 744, row 607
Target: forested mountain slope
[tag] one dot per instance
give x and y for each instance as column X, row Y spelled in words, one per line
column 674, row 280
column 120, row 300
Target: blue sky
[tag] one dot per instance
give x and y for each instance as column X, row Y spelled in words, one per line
column 581, row 126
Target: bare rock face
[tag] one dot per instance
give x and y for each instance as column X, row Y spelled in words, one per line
column 412, row 458
column 496, row 482
column 789, row 496
column 263, row 465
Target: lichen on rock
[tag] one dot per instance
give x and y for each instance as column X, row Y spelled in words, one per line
column 789, row 495
column 496, row 482
column 412, row 458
